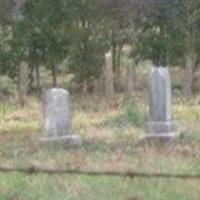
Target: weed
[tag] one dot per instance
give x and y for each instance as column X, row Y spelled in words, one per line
column 130, row 114
column 102, row 150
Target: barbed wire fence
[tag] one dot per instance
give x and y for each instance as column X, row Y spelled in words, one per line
column 129, row 174
column 35, row 170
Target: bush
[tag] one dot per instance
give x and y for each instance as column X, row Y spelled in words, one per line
column 132, row 113
column 7, row 87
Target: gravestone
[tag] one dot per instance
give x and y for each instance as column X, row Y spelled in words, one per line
column 57, row 119
column 108, row 75
column 160, row 118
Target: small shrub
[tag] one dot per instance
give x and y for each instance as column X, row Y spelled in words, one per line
column 132, row 113
column 6, row 108
column 6, row 85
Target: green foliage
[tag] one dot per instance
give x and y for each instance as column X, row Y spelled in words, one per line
column 169, row 31
column 6, row 108
column 7, row 86
column 74, row 187
column 5, row 11
column 87, row 48
column 82, row 31
column 7, row 56
column 132, row 113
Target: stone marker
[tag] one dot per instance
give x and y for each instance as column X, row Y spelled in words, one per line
column 57, row 117
column 160, row 118
column 108, row 75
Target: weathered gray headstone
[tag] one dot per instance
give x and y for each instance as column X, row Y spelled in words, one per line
column 57, row 117
column 108, row 75
column 160, row 119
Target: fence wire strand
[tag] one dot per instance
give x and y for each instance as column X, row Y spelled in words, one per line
column 129, row 174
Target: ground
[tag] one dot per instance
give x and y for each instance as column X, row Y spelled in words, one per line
column 111, row 131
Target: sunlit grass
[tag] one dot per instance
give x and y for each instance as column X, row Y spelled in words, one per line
column 15, row 119
column 108, row 145
column 188, row 115
column 44, row 187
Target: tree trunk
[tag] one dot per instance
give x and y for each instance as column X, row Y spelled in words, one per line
column 114, row 51
column 118, row 72
column 23, row 83
column 54, row 74
column 37, row 77
column 114, row 59
column 30, row 75
column 188, row 76
column 131, row 79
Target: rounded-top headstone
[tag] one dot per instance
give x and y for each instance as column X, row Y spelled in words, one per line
column 57, row 117
column 160, row 94
column 57, row 112
column 160, row 121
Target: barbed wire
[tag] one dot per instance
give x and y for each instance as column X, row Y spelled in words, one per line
column 129, row 174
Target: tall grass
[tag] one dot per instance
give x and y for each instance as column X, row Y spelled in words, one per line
column 131, row 113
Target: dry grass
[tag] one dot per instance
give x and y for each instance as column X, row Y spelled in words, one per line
column 108, row 145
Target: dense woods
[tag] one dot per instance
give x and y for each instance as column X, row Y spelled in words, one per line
column 77, row 34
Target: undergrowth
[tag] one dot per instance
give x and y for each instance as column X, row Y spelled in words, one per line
column 131, row 113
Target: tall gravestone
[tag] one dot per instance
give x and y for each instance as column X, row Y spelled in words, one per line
column 108, row 75
column 57, row 119
column 160, row 118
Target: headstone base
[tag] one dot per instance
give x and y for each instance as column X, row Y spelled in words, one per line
column 163, row 135
column 165, row 130
column 159, row 127
column 63, row 141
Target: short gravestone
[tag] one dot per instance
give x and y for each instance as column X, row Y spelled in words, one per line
column 57, row 119
column 160, row 118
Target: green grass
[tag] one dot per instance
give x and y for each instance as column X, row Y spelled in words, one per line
column 6, row 108
column 130, row 114
column 110, row 137
column 6, row 86
column 19, row 187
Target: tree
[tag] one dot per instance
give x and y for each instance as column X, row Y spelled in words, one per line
column 123, row 19
column 187, row 21
column 44, row 37
column 88, row 44
column 170, row 36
